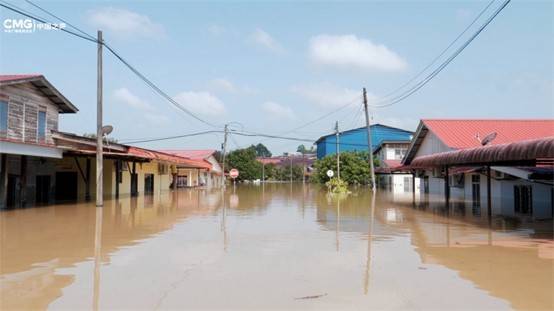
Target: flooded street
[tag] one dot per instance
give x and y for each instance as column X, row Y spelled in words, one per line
column 277, row 246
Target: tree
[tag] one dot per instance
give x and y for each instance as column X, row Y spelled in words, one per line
column 283, row 173
column 354, row 168
column 303, row 150
column 245, row 161
column 262, row 151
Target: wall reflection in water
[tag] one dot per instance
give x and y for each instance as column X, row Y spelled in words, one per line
column 278, row 242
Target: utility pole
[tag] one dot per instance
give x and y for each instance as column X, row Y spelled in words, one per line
column 263, row 170
column 369, row 148
column 338, row 148
column 99, row 134
column 290, row 158
column 224, row 152
column 303, row 169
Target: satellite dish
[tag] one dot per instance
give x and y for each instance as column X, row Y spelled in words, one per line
column 489, row 138
column 106, row 129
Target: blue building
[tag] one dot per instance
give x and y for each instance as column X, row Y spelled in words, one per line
column 356, row 139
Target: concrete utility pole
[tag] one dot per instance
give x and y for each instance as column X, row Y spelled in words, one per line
column 290, row 158
column 99, row 136
column 338, row 148
column 224, row 152
column 369, row 148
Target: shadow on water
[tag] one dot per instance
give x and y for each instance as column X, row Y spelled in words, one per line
column 512, row 260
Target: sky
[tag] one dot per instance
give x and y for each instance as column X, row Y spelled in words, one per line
column 271, row 66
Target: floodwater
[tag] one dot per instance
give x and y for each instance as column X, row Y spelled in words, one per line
column 271, row 247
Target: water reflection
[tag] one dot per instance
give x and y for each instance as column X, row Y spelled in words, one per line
column 261, row 246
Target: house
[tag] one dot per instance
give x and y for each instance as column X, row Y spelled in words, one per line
column 520, row 191
column 30, row 107
column 206, row 171
column 390, row 154
column 128, row 170
column 40, row 164
column 356, row 139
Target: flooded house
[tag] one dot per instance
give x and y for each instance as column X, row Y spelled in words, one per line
column 390, row 154
column 205, row 172
column 515, row 183
column 356, row 139
column 30, row 107
column 42, row 165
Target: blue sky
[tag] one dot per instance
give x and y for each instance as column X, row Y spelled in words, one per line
column 273, row 66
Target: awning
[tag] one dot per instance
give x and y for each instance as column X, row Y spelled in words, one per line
column 523, row 153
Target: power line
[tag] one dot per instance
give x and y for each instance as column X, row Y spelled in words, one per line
column 13, row 8
column 139, row 141
column 60, row 19
column 156, row 88
column 117, row 55
column 433, row 74
column 442, row 53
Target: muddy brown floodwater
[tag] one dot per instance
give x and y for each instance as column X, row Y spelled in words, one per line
column 271, row 247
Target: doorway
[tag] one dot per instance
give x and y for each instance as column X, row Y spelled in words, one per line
column 134, row 184
column 148, row 183
column 12, row 190
column 66, row 186
column 43, row 189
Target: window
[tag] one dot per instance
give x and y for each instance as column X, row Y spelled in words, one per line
column 3, row 118
column 523, row 199
column 407, row 183
column 476, row 195
column 41, row 132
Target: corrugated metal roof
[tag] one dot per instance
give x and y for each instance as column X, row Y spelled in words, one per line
column 162, row 156
column 192, row 154
column 10, row 78
column 41, row 83
column 536, row 150
column 463, row 133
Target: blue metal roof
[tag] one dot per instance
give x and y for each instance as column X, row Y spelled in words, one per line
column 356, row 139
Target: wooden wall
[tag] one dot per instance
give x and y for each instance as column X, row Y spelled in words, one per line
column 24, row 103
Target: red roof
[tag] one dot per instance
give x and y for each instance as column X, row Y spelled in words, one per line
column 392, row 163
column 162, row 156
column 461, row 134
column 192, row 154
column 8, row 78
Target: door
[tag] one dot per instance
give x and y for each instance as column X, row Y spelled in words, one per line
column 43, row 189
column 134, row 184
column 12, row 190
column 148, row 183
column 66, row 186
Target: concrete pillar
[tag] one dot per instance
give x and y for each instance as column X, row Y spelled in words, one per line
column 87, row 180
column 117, row 164
column 489, row 199
column 3, row 181
column 447, row 189
column 23, row 182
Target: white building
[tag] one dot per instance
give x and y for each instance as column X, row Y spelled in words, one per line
column 209, row 176
column 515, row 191
column 390, row 155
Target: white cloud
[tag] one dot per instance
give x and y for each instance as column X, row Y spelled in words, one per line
column 201, row 102
column 277, row 111
column 265, row 40
column 349, row 51
column 123, row 95
column 125, row 23
column 329, row 95
column 221, row 84
column 463, row 15
column 225, row 85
